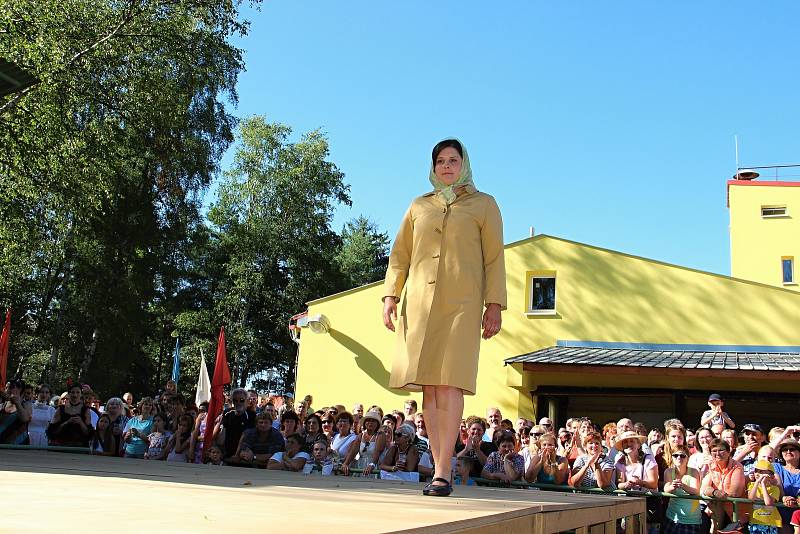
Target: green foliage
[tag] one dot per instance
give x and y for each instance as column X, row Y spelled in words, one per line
column 272, row 227
column 105, row 257
column 102, row 166
column 365, row 252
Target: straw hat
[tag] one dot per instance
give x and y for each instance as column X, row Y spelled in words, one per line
column 628, row 434
column 788, row 442
column 374, row 415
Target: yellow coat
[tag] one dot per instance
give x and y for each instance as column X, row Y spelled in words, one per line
column 450, row 260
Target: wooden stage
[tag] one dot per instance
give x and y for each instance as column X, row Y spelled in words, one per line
column 58, row 492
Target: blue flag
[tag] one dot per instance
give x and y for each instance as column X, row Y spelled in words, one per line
column 176, row 364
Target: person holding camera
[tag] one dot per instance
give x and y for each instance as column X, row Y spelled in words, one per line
column 138, row 428
column 15, row 414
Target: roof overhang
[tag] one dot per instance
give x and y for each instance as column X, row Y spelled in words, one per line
column 664, row 360
column 14, row 79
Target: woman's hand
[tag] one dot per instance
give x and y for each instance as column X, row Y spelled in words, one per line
column 390, row 312
column 491, row 320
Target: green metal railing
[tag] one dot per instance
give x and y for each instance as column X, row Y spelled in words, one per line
column 736, row 501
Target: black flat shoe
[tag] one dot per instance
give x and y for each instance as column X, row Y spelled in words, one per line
column 439, row 491
column 426, row 490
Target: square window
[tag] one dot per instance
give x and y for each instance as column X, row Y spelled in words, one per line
column 543, row 294
column 787, row 269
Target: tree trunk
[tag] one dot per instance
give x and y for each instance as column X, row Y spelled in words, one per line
column 87, row 359
column 52, row 367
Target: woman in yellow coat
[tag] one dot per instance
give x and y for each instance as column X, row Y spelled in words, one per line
column 448, row 255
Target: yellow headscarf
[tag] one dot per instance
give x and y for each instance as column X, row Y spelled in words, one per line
column 447, row 193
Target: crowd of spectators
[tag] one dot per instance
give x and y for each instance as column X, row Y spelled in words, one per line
column 714, row 461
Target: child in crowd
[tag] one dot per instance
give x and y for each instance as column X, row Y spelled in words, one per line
column 103, row 442
column 158, row 438
column 504, row 464
column 796, row 521
column 214, row 456
column 765, row 518
column 178, row 445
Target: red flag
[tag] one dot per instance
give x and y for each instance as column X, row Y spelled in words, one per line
column 222, row 377
column 4, row 348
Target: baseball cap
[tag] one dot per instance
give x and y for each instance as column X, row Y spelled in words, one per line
column 752, row 427
column 714, row 397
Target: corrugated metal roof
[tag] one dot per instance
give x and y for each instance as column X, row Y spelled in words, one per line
column 675, row 359
column 13, row 78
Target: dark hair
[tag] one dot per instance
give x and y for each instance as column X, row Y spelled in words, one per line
column 17, row 383
column 718, row 443
column 44, row 386
column 441, row 145
column 296, row 437
column 502, row 436
column 290, row 416
column 314, row 416
column 345, row 415
column 391, row 418
column 185, row 418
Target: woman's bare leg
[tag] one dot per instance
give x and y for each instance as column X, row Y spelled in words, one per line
column 431, row 417
column 449, row 409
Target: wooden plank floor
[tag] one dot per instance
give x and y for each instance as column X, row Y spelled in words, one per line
column 48, row 491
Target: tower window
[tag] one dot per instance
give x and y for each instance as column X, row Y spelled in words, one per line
column 787, row 269
column 542, row 296
column 773, row 211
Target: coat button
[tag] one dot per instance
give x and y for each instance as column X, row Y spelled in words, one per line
column 432, row 282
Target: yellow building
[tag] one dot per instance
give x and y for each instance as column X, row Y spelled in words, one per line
column 588, row 331
column 765, row 231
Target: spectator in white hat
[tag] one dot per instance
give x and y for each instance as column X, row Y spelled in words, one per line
column 367, row 450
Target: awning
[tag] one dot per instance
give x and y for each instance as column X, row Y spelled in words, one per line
column 14, row 79
column 661, row 357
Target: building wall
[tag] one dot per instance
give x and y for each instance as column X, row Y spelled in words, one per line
column 601, row 295
column 757, row 243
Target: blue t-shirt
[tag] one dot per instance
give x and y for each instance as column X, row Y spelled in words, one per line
column 791, row 488
column 138, row 446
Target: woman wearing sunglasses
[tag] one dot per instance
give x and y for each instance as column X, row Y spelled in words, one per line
column 402, row 455
column 725, row 478
column 329, row 427
column 683, row 515
column 789, row 475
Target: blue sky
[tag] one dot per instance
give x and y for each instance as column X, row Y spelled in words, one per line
column 609, row 123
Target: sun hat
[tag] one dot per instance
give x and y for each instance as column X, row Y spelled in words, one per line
column 787, row 443
column 628, row 434
column 764, row 465
column 374, row 415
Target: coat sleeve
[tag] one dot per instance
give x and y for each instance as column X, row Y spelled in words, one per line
column 494, row 264
column 399, row 258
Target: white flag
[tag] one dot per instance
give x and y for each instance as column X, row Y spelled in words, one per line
column 203, row 383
